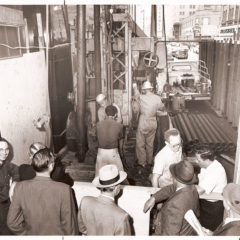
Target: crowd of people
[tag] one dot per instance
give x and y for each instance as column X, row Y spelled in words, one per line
column 37, row 198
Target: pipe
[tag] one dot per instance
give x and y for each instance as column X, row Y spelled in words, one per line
column 189, row 126
column 200, row 125
column 206, row 129
column 97, row 49
column 81, row 80
column 196, row 128
column 225, row 137
column 184, row 127
column 179, row 127
column 212, row 129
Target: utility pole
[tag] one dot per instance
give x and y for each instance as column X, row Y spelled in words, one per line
column 81, row 76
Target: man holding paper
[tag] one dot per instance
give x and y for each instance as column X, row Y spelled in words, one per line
column 178, row 198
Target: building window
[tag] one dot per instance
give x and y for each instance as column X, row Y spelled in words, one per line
column 194, row 6
column 236, row 13
column 196, row 20
column 224, row 17
column 9, row 40
column 205, row 21
column 230, row 14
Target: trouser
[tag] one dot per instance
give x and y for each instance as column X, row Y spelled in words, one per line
column 4, row 206
column 144, row 146
column 108, row 156
column 211, row 214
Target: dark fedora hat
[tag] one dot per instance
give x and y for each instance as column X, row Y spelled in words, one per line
column 183, row 172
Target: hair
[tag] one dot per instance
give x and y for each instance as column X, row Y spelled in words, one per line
column 206, row 154
column 42, row 159
column 171, row 132
column 108, row 189
column 111, row 110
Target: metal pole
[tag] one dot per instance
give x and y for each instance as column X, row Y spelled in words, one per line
column 97, row 48
column 81, row 78
column 165, row 41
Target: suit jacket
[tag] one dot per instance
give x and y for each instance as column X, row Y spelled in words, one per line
column 229, row 229
column 101, row 216
column 41, row 206
column 170, row 219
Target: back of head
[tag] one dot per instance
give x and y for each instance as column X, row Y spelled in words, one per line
column 170, row 132
column 42, row 159
column 111, row 110
column 231, row 197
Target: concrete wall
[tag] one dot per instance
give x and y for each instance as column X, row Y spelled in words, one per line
column 23, row 98
column 132, row 201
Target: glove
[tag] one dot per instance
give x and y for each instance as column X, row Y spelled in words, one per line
column 149, row 204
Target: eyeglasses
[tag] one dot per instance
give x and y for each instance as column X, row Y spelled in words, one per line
column 176, row 145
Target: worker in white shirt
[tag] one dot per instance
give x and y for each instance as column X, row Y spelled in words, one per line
column 212, row 178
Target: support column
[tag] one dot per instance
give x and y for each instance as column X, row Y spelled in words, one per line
column 81, row 77
column 236, row 176
column 97, row 49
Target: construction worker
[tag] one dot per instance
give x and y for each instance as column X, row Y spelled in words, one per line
column 149, row 104
column 102, row 101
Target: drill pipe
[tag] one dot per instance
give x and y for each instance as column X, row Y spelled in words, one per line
column 189, row 126
column 174, row 122
column 186, row 132
column 213, row 129
column 206, row 129
column 180, row 128
column 201, row 128
column 196, row 128
column 215, row 123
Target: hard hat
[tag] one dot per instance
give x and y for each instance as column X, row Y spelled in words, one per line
column 35, row 148
column 147, row 85
column 100, row 97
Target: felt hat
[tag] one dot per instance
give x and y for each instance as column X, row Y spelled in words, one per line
column 109, row 176
column 35, row 148
column 231, row 193
column 183, row 172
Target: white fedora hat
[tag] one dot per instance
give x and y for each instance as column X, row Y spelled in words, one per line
column 147, row 85
column 109, row 176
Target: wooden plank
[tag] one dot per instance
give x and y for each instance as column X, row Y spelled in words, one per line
column 236, row 104
column 219, row 76
column 215, row 75
column 231, row 84
column 224, row 78
column 236, row 176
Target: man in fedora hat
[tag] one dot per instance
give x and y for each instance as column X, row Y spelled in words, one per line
column 231, row 201
column 177, row 199
column 149, row 104
column 100, row 215
column 41, row 206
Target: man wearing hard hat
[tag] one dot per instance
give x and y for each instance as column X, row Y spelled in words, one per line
column 149, row 104
column 102, row 101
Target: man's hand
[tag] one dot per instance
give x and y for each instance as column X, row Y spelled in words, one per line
column 11, row 190
column 149, row 204
column 207, row 231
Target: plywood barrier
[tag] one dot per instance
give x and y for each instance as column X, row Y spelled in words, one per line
column 132, row 201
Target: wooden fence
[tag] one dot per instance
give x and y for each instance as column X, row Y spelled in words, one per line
column 223, row 62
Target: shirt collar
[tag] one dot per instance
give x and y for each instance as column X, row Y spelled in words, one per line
column 228, row 220
column 112, row 198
